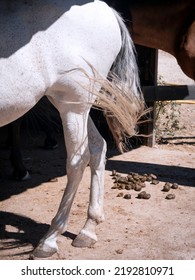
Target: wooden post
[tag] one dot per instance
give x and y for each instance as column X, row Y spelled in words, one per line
column 147, row 63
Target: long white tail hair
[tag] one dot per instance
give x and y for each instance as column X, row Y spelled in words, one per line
column 120, row 97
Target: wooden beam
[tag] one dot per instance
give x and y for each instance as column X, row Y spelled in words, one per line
column 162, row 93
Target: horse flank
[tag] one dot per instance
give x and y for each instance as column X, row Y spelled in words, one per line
column 120, row 96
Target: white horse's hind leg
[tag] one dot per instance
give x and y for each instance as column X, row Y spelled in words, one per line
column 97, row 146
column 75, row 133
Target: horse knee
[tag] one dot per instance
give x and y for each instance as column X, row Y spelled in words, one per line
column 77, row 163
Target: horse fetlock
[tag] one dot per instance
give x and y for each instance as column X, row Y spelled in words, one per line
column 96, row 215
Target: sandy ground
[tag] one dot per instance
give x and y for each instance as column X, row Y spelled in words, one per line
column 156, row 228
column 169, row 70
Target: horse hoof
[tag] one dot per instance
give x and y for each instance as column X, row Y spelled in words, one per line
column 26, row 176
column 43, row 251
column 50, row 144
column 83, row 240
column 21, row 176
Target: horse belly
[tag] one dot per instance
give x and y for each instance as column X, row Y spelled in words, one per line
column 21, row 85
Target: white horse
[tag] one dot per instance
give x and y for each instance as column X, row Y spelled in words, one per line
column 85, row 56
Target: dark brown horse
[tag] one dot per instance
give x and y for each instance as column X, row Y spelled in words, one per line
column 165, row 25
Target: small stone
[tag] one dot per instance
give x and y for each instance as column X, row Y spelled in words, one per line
column 53, row 180
column 121, row 186
column 120, row 194
column 136, row 177
column 31, row 257
column 141, row 184
column 133, row 173
column 149, row 178
column 143, row 179
column 119, row 251
column 154, row 177
column 129, row 187
column 146, row 196
column 143, row 195
column 138, row 188
column 130, row 179
column 175, row 186
column 127, row 196
column 166, row 187
column 170, row 196
column 113, row 173
column 115, row 186
column 122, row 180
column 154, row 182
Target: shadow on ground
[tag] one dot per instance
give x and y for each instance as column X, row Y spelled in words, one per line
column 27, row 232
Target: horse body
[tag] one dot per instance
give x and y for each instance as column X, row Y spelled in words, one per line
column 40, row 66
column 169, row 27
column 165, row 25
column 69, row 62
column 163, row 19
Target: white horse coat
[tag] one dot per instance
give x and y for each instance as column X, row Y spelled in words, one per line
column 40, row 66
column 45, row 60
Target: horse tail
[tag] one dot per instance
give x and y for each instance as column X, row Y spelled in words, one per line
column 125, row 65
column 123, row 86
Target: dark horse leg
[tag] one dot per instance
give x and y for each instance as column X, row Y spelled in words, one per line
column 50, row 140
column 20, row 172
column 45, row 122
column 47, row 119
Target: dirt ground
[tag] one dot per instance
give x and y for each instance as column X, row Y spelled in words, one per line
column 134, row 228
